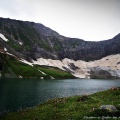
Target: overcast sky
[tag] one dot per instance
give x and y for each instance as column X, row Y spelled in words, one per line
column 91, row 20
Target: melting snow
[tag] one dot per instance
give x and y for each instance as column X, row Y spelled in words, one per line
column 49, row 62
column 42, row 77
column 5, row 49
column 52, row 77
column 24, row 61
column 3, row 37
column 83, row 67
column 42, row 72
column 20, row 43
column 10, row 54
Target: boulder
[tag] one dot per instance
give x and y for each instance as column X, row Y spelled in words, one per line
column 110, row 108
column 104, row 73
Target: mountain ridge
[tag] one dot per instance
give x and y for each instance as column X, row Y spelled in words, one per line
column 31, row 41
column 29, row 49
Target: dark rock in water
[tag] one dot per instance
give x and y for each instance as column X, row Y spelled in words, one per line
column 110, row 108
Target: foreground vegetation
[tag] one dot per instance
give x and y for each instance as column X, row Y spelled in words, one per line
column 72, row 108
column 13, row 68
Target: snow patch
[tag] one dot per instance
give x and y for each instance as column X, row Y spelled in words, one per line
column 82, row 67
column 20, row 76
column 52, row 77
column 26, row 62
column 42, row 72
column 10, row 54
column 20, row 43
column 3, row 37
column 50, row 62
column 79, row 76
column 41, row 77
column 5, row 49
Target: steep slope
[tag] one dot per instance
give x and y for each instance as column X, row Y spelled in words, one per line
column 30, row 41
column 12, row 67
column 105, row 68
column 34, row 49
column 92, row 69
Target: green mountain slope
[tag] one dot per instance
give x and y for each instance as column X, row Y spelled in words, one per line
column 11, row 67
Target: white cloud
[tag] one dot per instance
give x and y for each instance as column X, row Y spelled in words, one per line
column 85, row 19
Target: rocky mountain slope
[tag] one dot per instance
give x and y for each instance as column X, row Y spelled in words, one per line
column 31, row 40
column 105, row 68
column 34, row 44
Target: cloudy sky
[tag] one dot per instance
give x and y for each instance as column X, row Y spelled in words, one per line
column 91, row 20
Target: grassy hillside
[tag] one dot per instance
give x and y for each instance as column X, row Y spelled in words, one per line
column 53, row 71
column 13, row 68
column 72, row 108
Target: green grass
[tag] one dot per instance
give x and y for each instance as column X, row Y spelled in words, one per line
column 72, row 108
column 45, row 45
column 24, row 37
column 55, row 72
column 57, row 47
column 14, row 68
column 16, row 47
column 28, row 48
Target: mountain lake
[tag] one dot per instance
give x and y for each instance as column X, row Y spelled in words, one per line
column 17, row 94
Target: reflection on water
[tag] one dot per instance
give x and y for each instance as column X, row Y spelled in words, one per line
column 17, row 94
